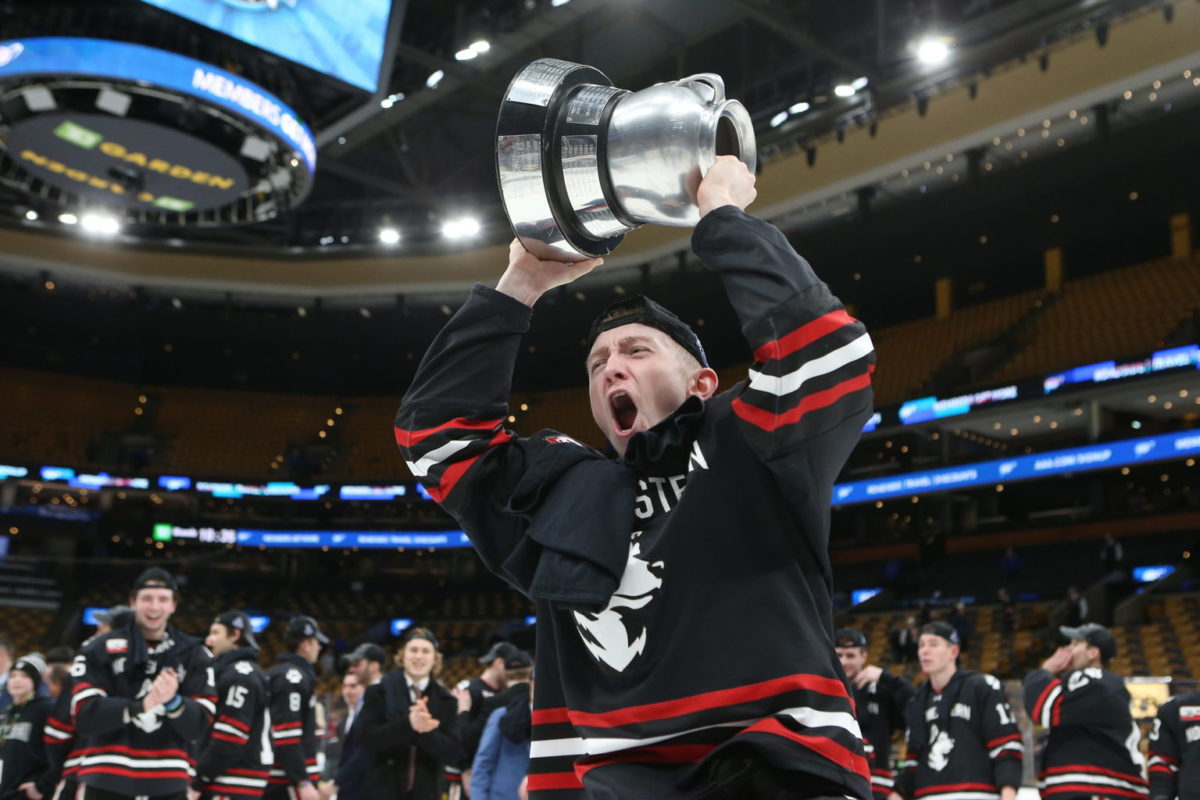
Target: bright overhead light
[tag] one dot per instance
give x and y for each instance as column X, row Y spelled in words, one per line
column 843, row 90
column 481, row 46
column 778, row 119
column 799, row 108
column 100, row 224
column 433, row 80
column 557, row 3
column 463, row 228
column 31, row 215
column 68, row 218
column 858, row 84
column 933, row 50
column 389, row 235
column 466, row 54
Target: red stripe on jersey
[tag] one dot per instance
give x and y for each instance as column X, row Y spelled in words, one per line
column 1164, row 758
column 453, row 777
column 708, row 700
column 129, row 751
column 822, row 745
column 409, row 438
column 250, row 773
column 653, row 754
column 454, row 472
column 1137, row 779
column 62, row 726
column 1041, row 701
column 553, row 780
column 1162, row 768
column 956, row 787
column 804, row 335
column 549, row 716
column 222, row 788
column 1089, row 789
column 286, row 725
column 1013, row 737
column 234, row 723
column 225, row 737
column 812, row 402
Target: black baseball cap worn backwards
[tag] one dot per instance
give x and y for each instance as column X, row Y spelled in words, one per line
column 1095, row 635
column 305, row 627
column 643, row 310
column 944, row 630
column 850, row 637
column 238, row 621
column 154, row 578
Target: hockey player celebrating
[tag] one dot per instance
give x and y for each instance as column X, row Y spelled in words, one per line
column 645, row 567
column 292, row 682
column 881, row 700
column 1093, row 744
column 963, row 740
column 1175, row 749
column 143, row 694
column 236, row 759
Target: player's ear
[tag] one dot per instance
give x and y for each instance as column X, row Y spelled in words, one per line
column 704, row 383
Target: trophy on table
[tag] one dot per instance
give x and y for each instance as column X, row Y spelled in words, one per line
column 581, row 163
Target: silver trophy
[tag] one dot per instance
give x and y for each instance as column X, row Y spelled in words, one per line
column 581, row 163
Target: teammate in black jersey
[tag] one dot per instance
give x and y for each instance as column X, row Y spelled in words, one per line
column 1092, row 750
column 963, row 742
column 235, row 760
column 880, row 699
column 1175, row 749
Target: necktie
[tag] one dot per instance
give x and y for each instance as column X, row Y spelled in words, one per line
column 412, row 751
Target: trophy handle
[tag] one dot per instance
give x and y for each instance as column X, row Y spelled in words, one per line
column 709, row 79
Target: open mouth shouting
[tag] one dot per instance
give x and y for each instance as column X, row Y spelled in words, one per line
column 624, row 411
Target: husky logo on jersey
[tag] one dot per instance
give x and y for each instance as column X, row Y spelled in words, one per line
column 940, row 747
column 1192, row 733
column 118, row 665
column 617, row 634
column 243, row 667
column 293, row 676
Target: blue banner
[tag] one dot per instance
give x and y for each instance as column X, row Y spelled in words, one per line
column 345, row 540
column 101, row 58
column 1055, row 462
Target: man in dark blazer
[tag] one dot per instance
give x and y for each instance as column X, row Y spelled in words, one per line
column 406, row 727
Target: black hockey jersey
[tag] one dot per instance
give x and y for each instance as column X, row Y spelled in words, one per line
column 720, row 632
column 1175, row 749
column 22, row 752
column 291, row 685
column 1093, row 744
column 238, row 755
column 881, row 707
column 60, row 741
column 128, row 750
column 961, row 743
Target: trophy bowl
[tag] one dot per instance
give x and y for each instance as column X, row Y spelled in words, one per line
column 580, row 163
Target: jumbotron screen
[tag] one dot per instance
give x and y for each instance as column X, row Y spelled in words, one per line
column 341, row 39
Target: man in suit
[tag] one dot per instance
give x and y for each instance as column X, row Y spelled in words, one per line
column 405, row 730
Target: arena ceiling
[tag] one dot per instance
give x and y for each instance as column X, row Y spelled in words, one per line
column 413, row 157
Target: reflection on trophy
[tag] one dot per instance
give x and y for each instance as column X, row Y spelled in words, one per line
column 581, row 162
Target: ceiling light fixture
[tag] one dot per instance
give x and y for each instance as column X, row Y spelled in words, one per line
column 463, row 228
column 933, row 50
